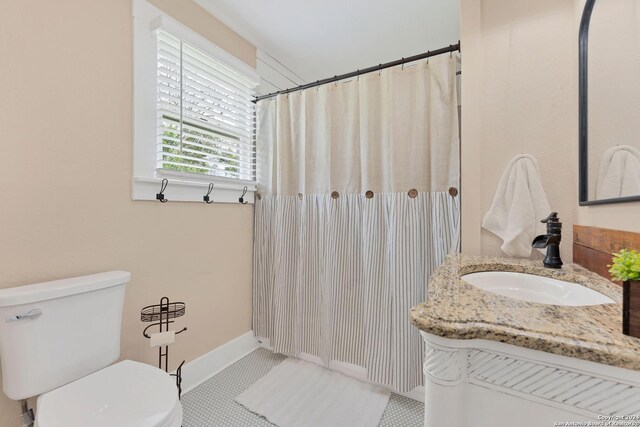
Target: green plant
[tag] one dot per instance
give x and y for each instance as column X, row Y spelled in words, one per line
column 626, row 265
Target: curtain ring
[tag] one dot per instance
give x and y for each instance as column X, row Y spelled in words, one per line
column 413, row 193
column 453, row 191
column 300, row 196
column 402, row 64
column 369, row 194
column 335, row 194
column 258, row 196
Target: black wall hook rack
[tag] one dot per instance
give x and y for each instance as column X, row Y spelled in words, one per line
column 244, row 192
column 206, row 197
column 161, row 315
column 163, row 186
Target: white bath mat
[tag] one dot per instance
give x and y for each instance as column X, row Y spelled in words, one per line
column 300, row 394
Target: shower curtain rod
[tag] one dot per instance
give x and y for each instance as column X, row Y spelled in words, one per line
column 428, row 54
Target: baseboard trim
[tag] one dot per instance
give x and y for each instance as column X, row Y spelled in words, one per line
column 204, row 367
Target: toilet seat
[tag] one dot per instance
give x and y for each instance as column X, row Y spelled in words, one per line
column 126, row 394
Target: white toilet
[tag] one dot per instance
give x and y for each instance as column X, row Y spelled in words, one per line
column 58, row 340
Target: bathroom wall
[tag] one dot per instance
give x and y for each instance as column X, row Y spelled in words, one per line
column 65, row 180
column 520, row 95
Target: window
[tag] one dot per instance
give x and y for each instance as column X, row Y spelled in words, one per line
column 206, row 118
column 194, row 119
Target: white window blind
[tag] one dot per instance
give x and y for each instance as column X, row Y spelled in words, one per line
column 206, row 117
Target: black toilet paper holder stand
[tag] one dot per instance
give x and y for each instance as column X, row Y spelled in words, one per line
column 161, row 315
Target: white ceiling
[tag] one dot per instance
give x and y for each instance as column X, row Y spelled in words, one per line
column 322, row 38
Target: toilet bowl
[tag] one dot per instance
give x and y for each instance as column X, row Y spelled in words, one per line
column 126, row 394
column 58, row 341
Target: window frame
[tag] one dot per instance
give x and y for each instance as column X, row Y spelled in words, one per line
column 147, row 176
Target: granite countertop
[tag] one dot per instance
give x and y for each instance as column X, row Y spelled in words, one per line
column 458, row 310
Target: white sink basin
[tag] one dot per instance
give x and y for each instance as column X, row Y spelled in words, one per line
column 528, row 287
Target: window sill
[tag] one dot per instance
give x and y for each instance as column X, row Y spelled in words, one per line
column 183, row 190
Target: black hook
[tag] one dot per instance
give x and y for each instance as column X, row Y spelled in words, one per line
column 160, row 195
column 241, row 199
column 205, row 198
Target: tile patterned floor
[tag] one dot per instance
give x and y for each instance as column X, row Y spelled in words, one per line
column 211, row 404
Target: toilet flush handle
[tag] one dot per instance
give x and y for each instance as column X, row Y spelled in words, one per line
column 32, row 314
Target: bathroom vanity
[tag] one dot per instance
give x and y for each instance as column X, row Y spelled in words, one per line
column 498, row 360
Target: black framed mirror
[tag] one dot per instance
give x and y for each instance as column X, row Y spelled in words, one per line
column 609, row 102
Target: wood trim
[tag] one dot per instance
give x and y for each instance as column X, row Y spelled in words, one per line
column 593, row 246
column 604, row 239
column 593, row 260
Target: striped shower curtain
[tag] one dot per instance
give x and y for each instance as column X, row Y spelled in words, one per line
column 354, row 214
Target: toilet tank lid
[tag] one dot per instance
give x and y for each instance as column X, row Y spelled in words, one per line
column 62, row 288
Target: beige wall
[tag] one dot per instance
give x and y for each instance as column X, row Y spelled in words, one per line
column 65, row 180
column 519, row 95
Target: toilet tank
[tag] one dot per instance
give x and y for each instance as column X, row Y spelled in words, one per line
column 53, row 333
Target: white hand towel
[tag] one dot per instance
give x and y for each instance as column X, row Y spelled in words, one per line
column 619, row 174
column 518, row 206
